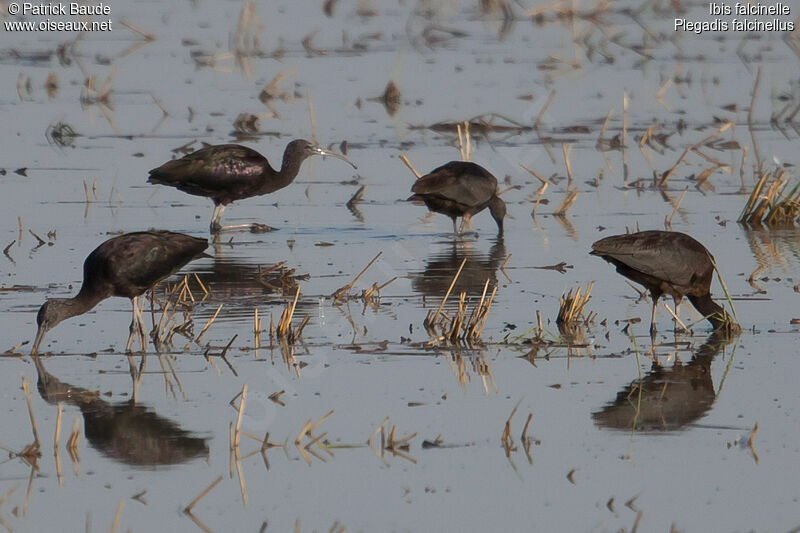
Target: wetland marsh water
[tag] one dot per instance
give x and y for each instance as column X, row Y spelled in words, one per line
column 618, row 444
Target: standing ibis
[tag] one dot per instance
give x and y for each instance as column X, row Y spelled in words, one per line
column 229, row 172
column 124, row 266
column 666, row 262
column 460, row 189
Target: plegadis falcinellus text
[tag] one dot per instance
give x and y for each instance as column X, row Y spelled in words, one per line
column 460, row 189
column 229, row 172
column 126, row 266
column 666, row 262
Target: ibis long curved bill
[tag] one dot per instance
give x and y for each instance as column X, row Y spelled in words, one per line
column 322, row 151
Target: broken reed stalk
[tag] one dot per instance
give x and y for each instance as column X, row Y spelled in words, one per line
column 237, row 432
column 284, row 329
column 543, row 110
column 569, row 199
column 505, row 438
column 359, row 194
column 524, row 437
column 464, row 141
column 731, row 326
column 566, row 149
column 571, row 306
column 695, row 146
column 432, row 320
column 57, row 434
column 676, row 317
column 26, row 390
column 188, row 508
column 208, row 324
column 668, row 220
column 74, row 436
column 541, row 190
column 117, row 517
column 750, row 114
column 343, row 291
column 405, row 160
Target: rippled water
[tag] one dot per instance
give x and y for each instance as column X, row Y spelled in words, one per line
column 616, row 441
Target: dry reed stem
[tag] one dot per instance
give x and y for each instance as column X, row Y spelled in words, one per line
column 750, row 113
column 203, row 287
column 543, row 110
column 566, row 204
column 377, row 430
column 505, row 438
column 74, row 437
column 405, row 160
column 662, row 90
column 675, row 316
column 136, row 29
column 117, row 517
column 566, row 149
column 668, row 220
column 57, row 435
column 571, row 306
column 303, row 432
column 359, row 194
column 524, row 436
column 26, row 390
column 691, row 148
column 540, row 191
column 188, row 508
column 319, row 422
column 242, row 398
column 346, row 289
column 447, row 294
column 208, row 324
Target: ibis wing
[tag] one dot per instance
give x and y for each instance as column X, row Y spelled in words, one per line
column 676, row 261
column 213, row 169
column 133, row 262
column 462, row 182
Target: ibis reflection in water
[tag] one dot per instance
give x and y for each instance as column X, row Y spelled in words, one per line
column 442, row 266
column 666, row 399
column 229, row 172
column 124, row 266
column 460, row 189
column 125, row 432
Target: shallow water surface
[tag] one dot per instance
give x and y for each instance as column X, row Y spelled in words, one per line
column 695, row 432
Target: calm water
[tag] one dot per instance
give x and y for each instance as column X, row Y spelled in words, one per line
column 617, row 443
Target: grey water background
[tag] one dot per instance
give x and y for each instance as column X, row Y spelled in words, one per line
column 598, row 463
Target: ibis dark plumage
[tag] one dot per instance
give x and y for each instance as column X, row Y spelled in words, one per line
column 665, row 262
column 230, row 172
column 460, row 189
column 125, row 266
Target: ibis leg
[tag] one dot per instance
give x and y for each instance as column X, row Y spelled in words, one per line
column 215, row 217
column 653, row 316
column 133, row 327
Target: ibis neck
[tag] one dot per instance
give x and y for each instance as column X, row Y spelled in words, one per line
column 81, row 303
column 290, row 167
column 713, row 312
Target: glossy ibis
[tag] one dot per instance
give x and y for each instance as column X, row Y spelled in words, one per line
column 460, row 189
column 125, row 266
column 665, row 262
column 229, row 172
